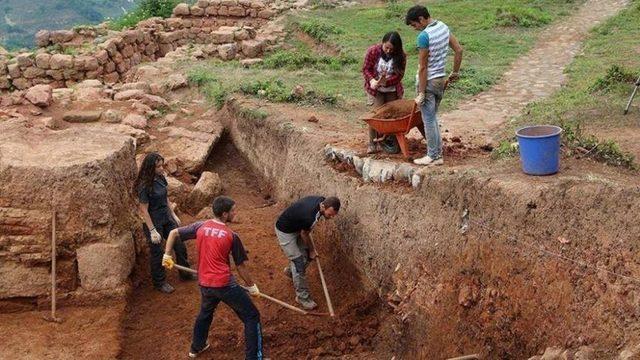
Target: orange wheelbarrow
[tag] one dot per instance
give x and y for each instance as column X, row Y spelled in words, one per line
column 399, row 127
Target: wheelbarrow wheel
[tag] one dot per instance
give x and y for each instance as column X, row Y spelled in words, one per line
column 390, row 145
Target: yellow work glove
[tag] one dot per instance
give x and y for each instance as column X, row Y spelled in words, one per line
column 167, row 261
column 420, row 99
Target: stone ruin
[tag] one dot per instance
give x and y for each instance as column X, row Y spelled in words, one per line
column 228, row 28
column 95, row 218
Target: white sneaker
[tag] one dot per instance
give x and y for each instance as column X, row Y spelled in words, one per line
column 307, row 304
column 194, row 355
column 427, row 160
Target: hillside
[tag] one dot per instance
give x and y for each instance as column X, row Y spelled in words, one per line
column 20, row 20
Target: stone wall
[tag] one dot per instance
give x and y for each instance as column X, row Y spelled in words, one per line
column 229, row 27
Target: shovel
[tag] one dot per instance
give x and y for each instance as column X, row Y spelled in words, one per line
column 265, row 296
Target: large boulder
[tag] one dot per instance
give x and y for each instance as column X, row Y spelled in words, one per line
column 187, row 147
column 207, row 188
column 43, row 170
column 39, row 95
column 128, row 94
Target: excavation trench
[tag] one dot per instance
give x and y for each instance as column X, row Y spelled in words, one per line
column 409, row 275
column 161, row 326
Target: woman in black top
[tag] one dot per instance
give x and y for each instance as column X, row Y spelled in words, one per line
column 159, row 219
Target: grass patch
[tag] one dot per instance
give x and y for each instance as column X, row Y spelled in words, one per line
column 292, row 60
column 606, row 151
column 276, row 91
column 253, row 114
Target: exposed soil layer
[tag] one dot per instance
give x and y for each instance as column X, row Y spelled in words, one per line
column 489, row 289
column 159, row 326
column 85, row 332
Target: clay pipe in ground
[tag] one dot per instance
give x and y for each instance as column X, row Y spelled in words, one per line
column 279, row 302
column 324, row 284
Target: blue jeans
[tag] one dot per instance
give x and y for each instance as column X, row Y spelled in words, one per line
column 433, row 96
column 239, row 301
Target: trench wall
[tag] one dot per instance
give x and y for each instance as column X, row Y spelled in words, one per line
column 487, row 287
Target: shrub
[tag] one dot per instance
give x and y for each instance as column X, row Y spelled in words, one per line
column 318, row 30
column 393, row 10
column 615, row 75
column 522, row 17
column 606, row 151
column 143, row 10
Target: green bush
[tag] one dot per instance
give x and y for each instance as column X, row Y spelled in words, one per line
column 144, row 9
column 522, row 17
column 200, row 77
column 615, row 75
column 320, row 31
column 393, row 10
column 297, row 60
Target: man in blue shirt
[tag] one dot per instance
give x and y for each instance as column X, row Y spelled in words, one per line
column 434, row 41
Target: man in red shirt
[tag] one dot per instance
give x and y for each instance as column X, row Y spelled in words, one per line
column 215, row 241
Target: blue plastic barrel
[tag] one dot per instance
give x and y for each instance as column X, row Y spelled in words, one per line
column 539, row 149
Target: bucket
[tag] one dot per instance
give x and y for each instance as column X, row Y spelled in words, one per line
column 539, row 149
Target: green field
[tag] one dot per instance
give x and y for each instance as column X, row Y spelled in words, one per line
column 328, row 59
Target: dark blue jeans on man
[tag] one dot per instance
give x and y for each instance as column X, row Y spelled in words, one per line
column 239, row 301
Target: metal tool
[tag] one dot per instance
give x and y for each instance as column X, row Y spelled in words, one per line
column 633, row 94
column 265, row 296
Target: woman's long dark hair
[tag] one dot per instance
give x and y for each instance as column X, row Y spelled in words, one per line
column 147, row 171
column 398, row 52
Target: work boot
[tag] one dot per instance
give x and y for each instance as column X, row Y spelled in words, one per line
column 287, row 272
column 193, row 355
column 307, row 304
column 165, row 288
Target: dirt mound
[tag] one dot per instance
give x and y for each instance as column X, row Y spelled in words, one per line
column 393, row 110
column 86, row 179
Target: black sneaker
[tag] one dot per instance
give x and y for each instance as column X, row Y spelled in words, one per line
column 165, row 288
column 193, row 355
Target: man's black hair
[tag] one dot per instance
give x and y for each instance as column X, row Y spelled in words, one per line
column 414, row 14
column 332, row 202
column 221, row 205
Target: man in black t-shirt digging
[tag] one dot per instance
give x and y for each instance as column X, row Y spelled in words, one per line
column 292, row 229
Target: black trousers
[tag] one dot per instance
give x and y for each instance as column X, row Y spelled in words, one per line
column 156, row 251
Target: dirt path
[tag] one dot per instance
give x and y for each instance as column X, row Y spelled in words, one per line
column 533, row 76
column 160, row 326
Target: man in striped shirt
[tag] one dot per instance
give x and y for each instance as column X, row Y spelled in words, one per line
column 434, row 41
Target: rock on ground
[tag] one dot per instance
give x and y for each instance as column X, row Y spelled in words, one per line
column 39, row 95
column 207, row 188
